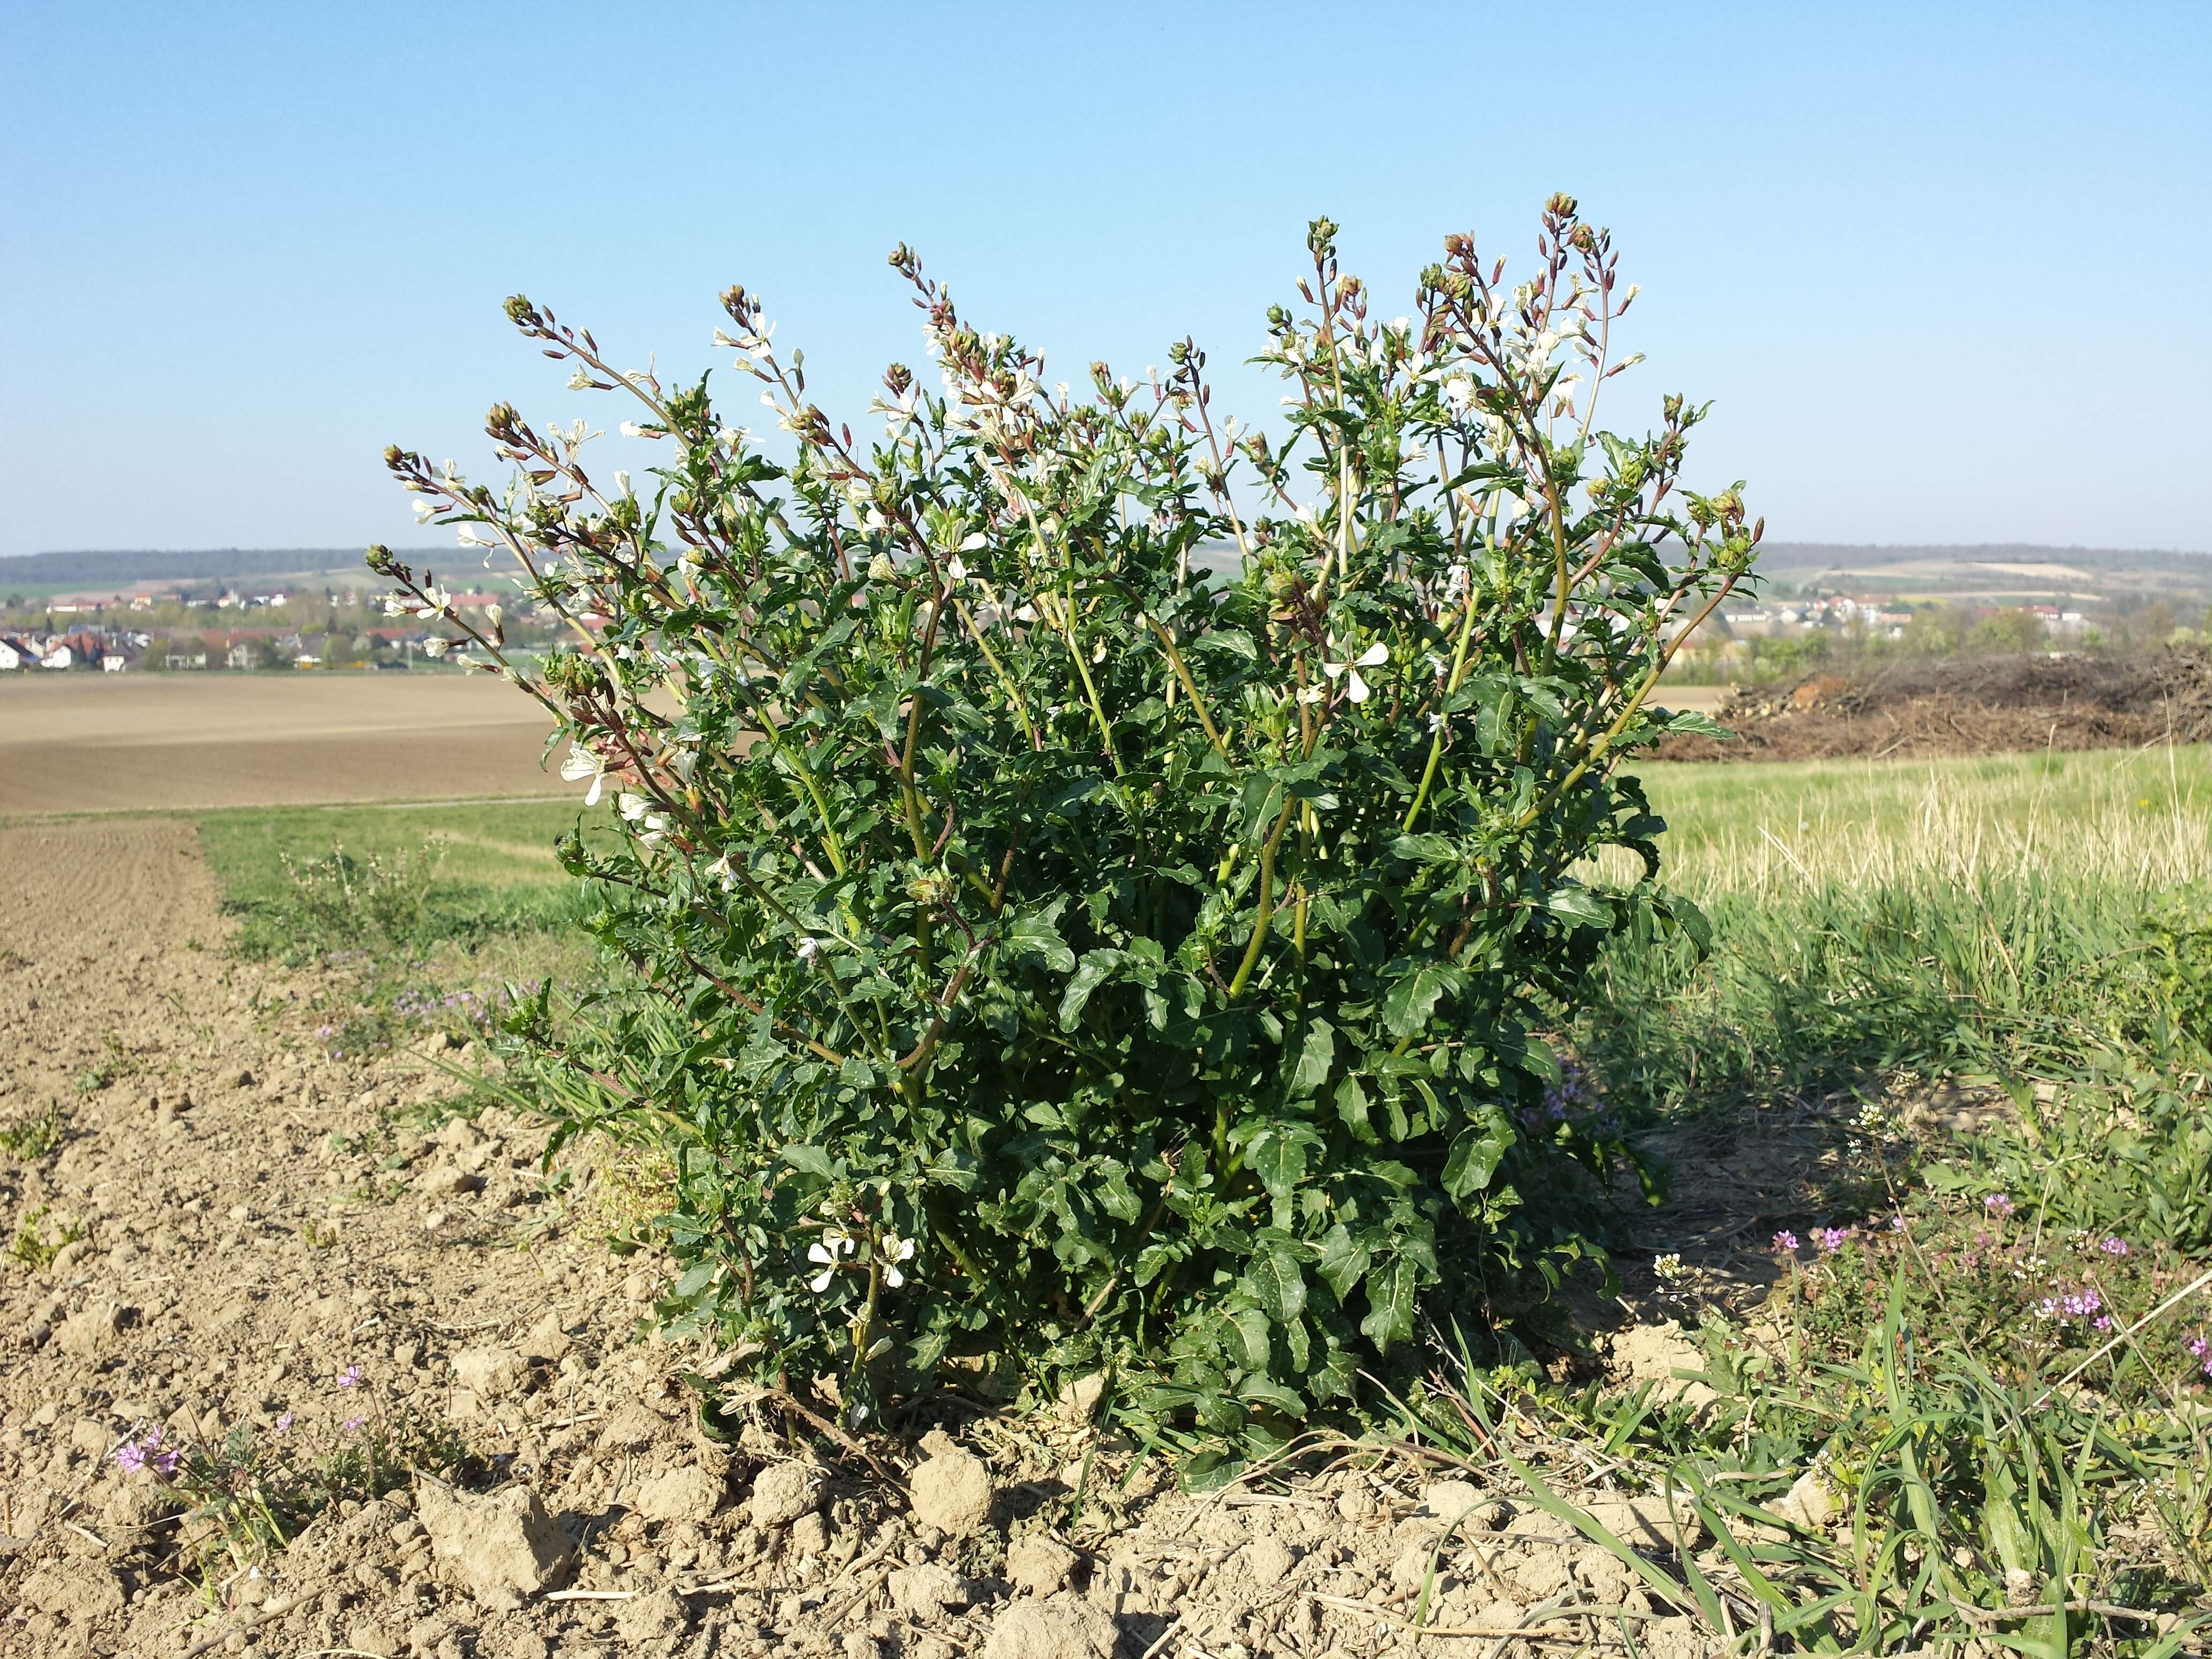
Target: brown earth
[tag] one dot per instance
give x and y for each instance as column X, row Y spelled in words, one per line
column 240, row 1224
column 79, row 742
column 1973, row 706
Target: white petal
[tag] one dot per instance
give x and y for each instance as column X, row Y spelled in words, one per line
column 1357, row 688
column 894, row 1277
column 816, row 1252
column 1375, row 656
column 821, row 1281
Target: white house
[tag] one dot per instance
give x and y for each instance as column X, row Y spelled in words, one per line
column 10, row 657
column 114, row 662
column 60, row 657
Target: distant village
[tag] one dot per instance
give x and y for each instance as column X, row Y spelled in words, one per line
column 166, row 633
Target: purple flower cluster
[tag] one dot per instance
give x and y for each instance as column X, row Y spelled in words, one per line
column 2081, row 1304
column 1831, row 1239
column 476, row 1009
column 148, row 1451
column 1785, row 1240
column 2114, row 1246
column 2200, row 1350
column 1997, row 1204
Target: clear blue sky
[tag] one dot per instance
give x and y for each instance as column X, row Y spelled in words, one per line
column 1943, row 266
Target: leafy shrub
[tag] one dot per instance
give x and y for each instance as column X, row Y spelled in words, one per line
column 1102, row 876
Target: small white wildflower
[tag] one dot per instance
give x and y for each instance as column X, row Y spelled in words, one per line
column 809, row 949
column 895, row 1250
column 1668, row 1267
column 631, row 429
column 632, row 807
column 1355, row 687
column 583, row 763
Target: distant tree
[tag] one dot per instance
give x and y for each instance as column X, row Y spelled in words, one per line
column 2016, row 629
column 1939, row 631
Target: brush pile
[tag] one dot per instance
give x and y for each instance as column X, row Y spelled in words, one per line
column 1966, row 706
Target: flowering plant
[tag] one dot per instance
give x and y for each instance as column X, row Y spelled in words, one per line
column 1100, row 874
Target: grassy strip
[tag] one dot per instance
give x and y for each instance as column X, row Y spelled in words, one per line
column 311, row 881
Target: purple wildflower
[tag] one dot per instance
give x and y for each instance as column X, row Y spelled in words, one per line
column 2114, row 1247
column 1831, row 1239
column 1785, row 1240
column 1997, row 1204
column 353, row 1424
column 147, row 1451
column 284, row 1423
column 349, row 1377
column 2103, row 1321
column 1897, row 1223
column 2198, row 1346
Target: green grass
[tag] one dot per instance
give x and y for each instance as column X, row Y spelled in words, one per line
column 313, row 880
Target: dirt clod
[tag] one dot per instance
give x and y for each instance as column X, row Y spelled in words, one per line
column 952, row 1492
column 1038, row 1564
column 782, row 1493
column 1062, row 1628
column 502, row 1547
column 923, row 1594
column 686, row 1494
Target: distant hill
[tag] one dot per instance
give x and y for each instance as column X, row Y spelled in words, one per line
column 2004, row 573
column 1839, row 555
column 95, row 569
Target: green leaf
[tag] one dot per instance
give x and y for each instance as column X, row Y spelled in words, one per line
column 1343, row 1260
column 1314, row 1058
column 1098, row 966
column 1412, row 999
column 1276, row 1154
column 1251, row 1327
column 1272, row 1393
column 1475, row 1154
column 1581, row 906
column 1036, row 935
column 1351, row 1107
column 1156, row 1258
column 1275, row 1282
column 1391, row 1291
column 810, row 1159
column 1427, row 849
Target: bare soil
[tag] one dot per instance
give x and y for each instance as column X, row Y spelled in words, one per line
column 1916, row 710
column 210, row 1281
column 88, row 743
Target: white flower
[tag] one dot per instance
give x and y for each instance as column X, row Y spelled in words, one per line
column 1668, row 1267
column 425, row 511
column 434, row 647
column 632, row 807
column 721, row 870
column 583, row 763
column 1459, row 392
column 976, row 543
column 631, row 429
column 622, row 484
column 810, row 951
column 957, row 569
column 895, row 1250
column 1355, row 688
column 824, row 1256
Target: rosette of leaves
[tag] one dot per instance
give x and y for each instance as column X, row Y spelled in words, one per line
column 1099, row 875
